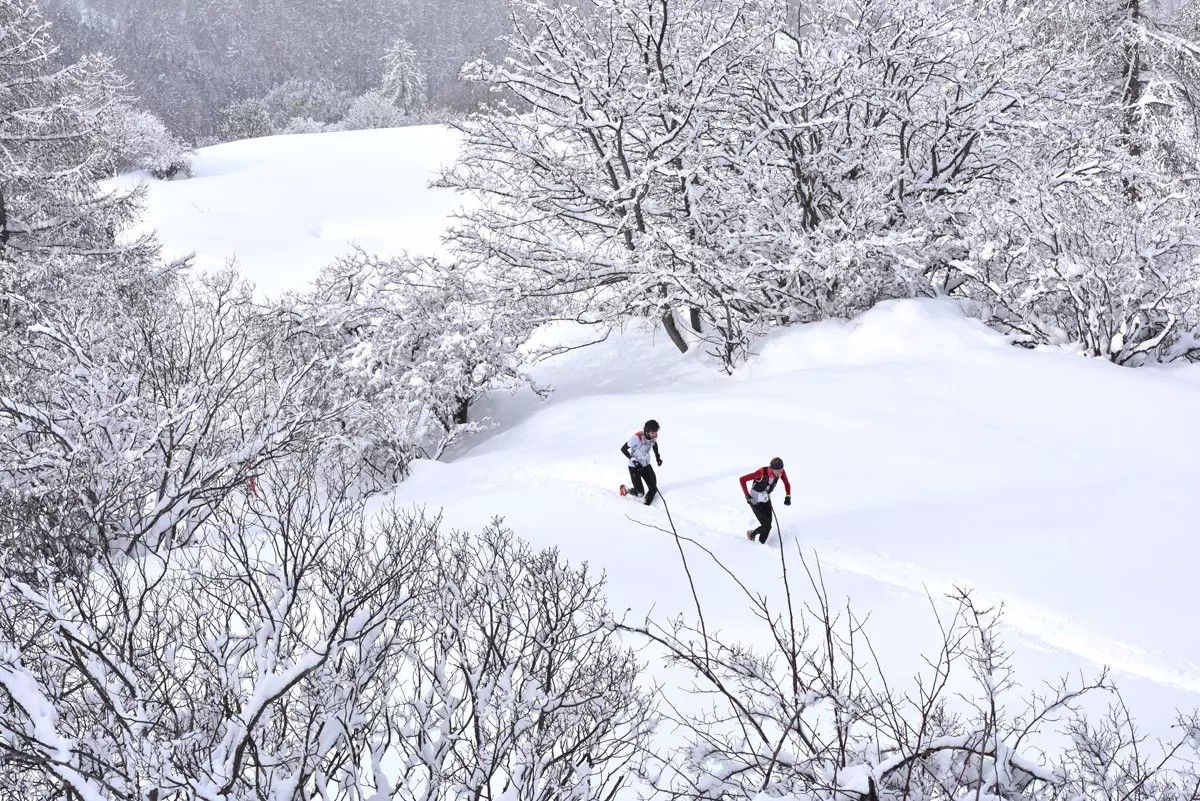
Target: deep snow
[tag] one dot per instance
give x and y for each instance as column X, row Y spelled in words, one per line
column 925, row 452
column 285, row 206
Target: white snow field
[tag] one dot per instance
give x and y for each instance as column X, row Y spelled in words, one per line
column 285, row 206
column 924, row 451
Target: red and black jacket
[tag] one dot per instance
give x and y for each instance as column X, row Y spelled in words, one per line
column 764, row 483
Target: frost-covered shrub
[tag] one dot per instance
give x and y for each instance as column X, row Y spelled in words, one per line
column 314, row 100
column 224, row 678
column 413, row 343
column 246, row 119
column 1086, row 266
column 374, row 109
column 146, row 144
column 815, row 716
column 188, row 370
column 296, row 106
column 304, row 643
column 304, row 125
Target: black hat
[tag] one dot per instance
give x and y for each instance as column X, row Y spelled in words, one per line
column 651, row 425
column 776, row 463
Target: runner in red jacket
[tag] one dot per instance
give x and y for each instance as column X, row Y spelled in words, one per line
column 758, row 495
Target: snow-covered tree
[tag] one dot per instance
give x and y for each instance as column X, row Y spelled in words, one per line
column 72, row 278
column 413, row 343
column 520, row 681
column 404, row 81
column 134, row 424
column 56, row 144
column 374, row 109
column 598, row 183
column 750, row 168
column 145, row 144
column 260, row 661
column 296, row 651
column 692, row 156
column 65, row 240
column 446, row 34
column 1089, row 238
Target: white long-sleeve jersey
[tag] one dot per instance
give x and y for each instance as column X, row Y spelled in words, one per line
column 640, row 447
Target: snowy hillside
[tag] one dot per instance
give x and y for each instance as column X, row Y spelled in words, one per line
column 285, row 206
column 924, row 454
column 924, row 451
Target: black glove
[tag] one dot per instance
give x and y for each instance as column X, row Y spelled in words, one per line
column 748, row 500
column 787, row 500
column 660, row 461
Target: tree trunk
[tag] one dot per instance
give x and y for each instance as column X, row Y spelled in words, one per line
column 694, row 313
column 3, row 221
column 1131, row 90
column 668, row 321
column 461, row 413
column 1131, row 79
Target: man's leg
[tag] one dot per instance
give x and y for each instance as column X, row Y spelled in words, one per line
column 635, row 476
column 763, row 512
column 651, row 483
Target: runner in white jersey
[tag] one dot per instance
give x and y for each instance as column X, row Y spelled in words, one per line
column 638, row 451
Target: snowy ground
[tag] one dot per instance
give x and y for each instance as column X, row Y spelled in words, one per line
column 924, row 452
column 285, row 206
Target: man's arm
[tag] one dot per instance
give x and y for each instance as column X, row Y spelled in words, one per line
column 744, row 480
column 625, row 450
column 656, row 456
column 787, row 485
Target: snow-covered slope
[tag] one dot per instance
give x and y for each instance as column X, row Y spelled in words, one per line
column 285, row 206
column 924, row 451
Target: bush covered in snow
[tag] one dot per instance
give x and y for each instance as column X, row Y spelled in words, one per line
column 146, row 144
column 318, row 100
column 246, row 119
column 818, row 717
column 295, row 106
column 375, row 109
column 413, row 344
column 1086, row 267
column 297, row 646
column 303, row 125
